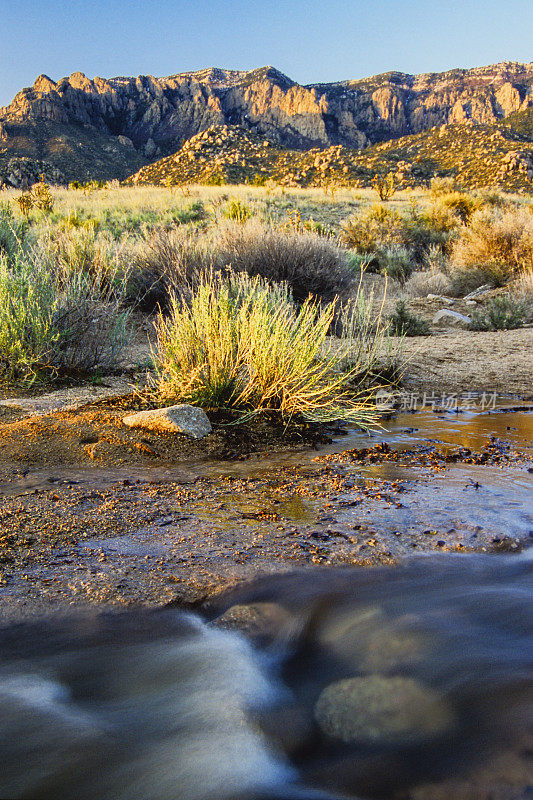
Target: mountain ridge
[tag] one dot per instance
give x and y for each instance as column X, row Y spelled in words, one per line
column 82, row 128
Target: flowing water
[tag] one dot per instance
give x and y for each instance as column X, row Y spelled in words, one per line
column 366, row 684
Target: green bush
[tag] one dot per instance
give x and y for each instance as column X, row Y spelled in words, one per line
column 237, row 211
column 500, row 314
column 404, row 323
column 52, row 322
column 244, row 345
column 396, row 262
column 12, row 233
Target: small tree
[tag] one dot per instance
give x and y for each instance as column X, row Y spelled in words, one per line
column 384, row 185
column 42, row 197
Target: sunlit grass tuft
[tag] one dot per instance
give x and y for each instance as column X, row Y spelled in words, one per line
column 243, row 345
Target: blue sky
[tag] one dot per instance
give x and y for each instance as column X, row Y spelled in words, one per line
column 310, row 41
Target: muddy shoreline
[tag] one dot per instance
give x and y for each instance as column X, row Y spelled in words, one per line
column 137, row 533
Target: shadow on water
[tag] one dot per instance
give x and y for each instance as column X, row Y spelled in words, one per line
column 363, row 684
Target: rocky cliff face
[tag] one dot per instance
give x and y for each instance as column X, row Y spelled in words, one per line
column 147, row 117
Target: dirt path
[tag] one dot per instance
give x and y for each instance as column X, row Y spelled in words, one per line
column 471, row 361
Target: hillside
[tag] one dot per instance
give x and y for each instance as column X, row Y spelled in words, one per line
column 78, row 128
column 475, row 155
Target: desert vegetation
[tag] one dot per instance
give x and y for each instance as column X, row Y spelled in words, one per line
column 258, row 299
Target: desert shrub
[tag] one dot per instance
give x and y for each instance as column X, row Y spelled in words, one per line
column 216, row 179
column 500, row 314
column 12, row 232
column 308, row 263
column 90, row 324
column 404, row 323
column 42, row 197
column 243, row 344
column 75, row 220
column 428, row 281
column 83, row 251
column 491, row 199
column 374, row 228
column 396, row 262
column 169, row 261
column 442, row 186
column 52, row 322
column 423, row 231
column 357, row 262
column 25, row 203
column 237, row 211
column 380, row 227
column 460, row 204
column 494, row 248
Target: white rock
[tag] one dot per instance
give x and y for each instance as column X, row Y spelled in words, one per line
column 440, row 297
column 189, row 420
column 450, row 318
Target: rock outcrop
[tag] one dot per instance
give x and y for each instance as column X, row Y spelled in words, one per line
column 147, row 118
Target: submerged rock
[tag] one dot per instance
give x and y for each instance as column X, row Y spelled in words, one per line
column 256, row 619
column 382, row 710
column 189, row 420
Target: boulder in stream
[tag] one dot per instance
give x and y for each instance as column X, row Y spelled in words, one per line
column 376, row 709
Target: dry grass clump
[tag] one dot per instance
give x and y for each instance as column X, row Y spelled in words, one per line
column 83, row 251
column 169, row 261
column 243, row 344
column 494, row 248
column 429, row 281
column 524, row 284
column 439, row 187
column 308, row 263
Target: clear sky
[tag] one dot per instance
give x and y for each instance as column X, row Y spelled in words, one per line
column 309, row 40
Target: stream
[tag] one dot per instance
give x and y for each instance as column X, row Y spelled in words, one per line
column 409, row 682
column 384, row 683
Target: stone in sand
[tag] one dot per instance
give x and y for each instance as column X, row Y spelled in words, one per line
column 185, row 419
column 451, row 318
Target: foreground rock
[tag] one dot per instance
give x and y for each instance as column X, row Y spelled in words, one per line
column 183, row 418
column 376, row 709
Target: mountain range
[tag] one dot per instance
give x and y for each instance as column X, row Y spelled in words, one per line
column 79, row 128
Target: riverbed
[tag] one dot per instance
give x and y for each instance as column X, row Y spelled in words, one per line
column 425, row 482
